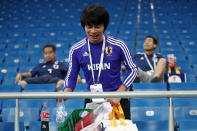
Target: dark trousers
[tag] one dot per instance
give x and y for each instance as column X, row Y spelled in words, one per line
column 42, row 79
column 125, row 103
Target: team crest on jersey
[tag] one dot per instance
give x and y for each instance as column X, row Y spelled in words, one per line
column 55, row 66
column 108, row 50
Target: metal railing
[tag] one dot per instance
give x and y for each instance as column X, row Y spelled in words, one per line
column 74, row 95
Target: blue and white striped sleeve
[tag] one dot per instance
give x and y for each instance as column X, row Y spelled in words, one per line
column 131, row 67
column 73, row 70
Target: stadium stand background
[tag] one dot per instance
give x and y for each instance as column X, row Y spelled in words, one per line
column 27, row 25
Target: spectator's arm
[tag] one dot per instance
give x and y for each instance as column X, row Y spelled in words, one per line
column 160, row 68
column 21, row 75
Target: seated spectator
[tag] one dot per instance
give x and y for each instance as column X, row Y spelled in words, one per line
column 50, row 71
column 174, row 74
column 151, row 66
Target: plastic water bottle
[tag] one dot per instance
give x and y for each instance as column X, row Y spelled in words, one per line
column 44, row 117
column 60, row 112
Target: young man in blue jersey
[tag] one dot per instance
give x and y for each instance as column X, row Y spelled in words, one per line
column 151, row 65
column 100, row 57
column 50, row 71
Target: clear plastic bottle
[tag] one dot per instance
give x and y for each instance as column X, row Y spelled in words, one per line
column 60, row 112
column 44, row 117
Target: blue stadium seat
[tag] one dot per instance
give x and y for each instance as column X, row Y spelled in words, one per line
column 9, row 80
column 33, row 126
column 26, row 115
column 149, row 87
column 192, row 78
column 9, row 88
column 9, row 126
column 188, row 125
column 31, row 26
column 8, row 103
column 149, row 109
column 152, row 125
column 8, row 110
column 1, row 78
column 31, row 103
column 26, row 67
column 184, row 108
column 183, row 86
column 53, row 126
column 36, row 126
column 40, row 87
column 72, row 104
column 10, row 69
column 1, row 104
column 81, row 88
column 8, row 114
column 192, row 58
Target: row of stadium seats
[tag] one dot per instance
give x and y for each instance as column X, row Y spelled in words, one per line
column 25, row 26
column 146, row 112
column 143, row 126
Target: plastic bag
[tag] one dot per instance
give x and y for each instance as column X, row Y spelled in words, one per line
column 128, row 127
column 117, row 121
column 101, row 112
column 71, row 121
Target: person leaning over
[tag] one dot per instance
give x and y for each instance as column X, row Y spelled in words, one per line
column 100, row 57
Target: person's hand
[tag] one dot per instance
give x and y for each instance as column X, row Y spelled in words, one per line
column 114, row 101
column 22, row 83
column 18, row 78
column 59, row 100
column 59, row 83
column 65, row 90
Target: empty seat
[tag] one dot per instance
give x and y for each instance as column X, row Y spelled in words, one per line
column 81, row 88
column 152, row 125
column 8, row 103
column 149, row 86
column 30, row 103
column 9, row 80
column 9, row 126
column 183, row 86
column 36, row 126
column 149, row 109
column 40, row 87
column 8, row 114
column 72, row 104
column 185, row 108
column 9, row 88
column 33, row 126
column 192, row 78
column 188, row 125
column 29, row 114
